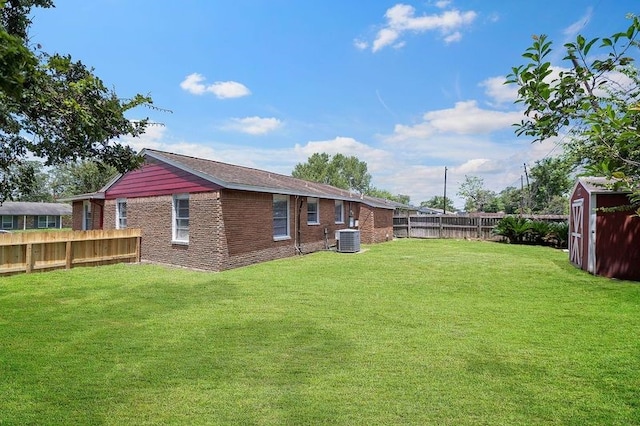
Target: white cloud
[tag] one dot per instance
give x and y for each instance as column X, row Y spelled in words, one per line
column 463, row 119
column 401, row 18
column 193, row 84
column 572, row 30
column 376, row 159
column 254, row 125
column 452, row 38
column 360, row 44
column 499, row 92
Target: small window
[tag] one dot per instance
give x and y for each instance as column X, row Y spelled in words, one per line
column 181, row 218
column 48, row 222
column 339, row 211
column 7, row 222
column 313, row 216
column 280, row 217
column 121, row 214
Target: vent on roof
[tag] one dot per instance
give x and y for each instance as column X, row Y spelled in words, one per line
column 348, row 240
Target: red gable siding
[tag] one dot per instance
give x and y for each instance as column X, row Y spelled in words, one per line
column 157, row 179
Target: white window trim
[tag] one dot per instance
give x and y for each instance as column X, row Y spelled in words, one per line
column 316, row 201
column 118, row 202
column 281, row 197
column 174, row 230
column 341, row 204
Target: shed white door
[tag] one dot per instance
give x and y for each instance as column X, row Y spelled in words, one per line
column 575, row 239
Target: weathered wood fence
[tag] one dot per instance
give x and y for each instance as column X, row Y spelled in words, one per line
column 455, row 226
column 36, row 251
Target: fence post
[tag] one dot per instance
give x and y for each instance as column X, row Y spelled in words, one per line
column 439, row 226
column 67, row 256
column 479, row 227
column 408, row 224
column 29, row 258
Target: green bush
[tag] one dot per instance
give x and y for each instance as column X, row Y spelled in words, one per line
column 519, row 230
column 514, row 229
column 558, row 235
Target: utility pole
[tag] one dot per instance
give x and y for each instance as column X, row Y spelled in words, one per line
column 528, row 187
column 521, row 195
column 444, row 203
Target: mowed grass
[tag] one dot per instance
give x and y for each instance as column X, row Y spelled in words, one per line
column 408, row 332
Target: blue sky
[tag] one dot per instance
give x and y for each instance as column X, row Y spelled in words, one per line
column 409, row 87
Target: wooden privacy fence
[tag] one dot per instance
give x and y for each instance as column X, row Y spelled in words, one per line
column 455, row 226
column 34, row 251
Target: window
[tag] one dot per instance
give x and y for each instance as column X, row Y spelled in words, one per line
column 7, row 222
column 181, row 218
column 339, row 211
column 313, row 217
column 280, row 217
column 121, row 214
column 48, row 222
column 86, row 216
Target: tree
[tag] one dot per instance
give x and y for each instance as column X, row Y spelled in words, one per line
column 80, row 177
column 437, row 202
column 552, row 182
column 40, row 190
column 511, row 199
column 338, row 170
column 477, row 198
column 383, row 193
column 54, row 108
column 595, row 102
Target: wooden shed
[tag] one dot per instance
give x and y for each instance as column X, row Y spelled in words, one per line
column 600, row 242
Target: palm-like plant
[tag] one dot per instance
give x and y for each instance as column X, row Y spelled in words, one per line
column 513, row 228
column 559, row 234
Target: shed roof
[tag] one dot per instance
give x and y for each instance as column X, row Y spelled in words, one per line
column 23, row 208
column 598, row 185
column 249, row 179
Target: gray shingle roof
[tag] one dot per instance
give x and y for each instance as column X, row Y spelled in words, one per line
column 23, row 208
column 245, row 178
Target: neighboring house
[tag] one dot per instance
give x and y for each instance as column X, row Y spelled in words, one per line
column 603, row 242
column 16, row 215
column 209, row 215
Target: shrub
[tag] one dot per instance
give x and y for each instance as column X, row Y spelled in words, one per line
column 558, row 235
column 538, row 232
column 514, row 229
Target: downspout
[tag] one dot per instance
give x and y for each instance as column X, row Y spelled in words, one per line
column 298, row 226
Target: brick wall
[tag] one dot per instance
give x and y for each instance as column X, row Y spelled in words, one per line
column 375, row 224
column 248, row 224
column 96, row 215
column 153, row 216
column 229, row 229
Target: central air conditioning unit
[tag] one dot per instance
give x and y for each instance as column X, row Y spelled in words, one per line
column 348, row 240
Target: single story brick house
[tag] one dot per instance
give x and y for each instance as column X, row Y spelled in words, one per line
column 17, row 215
column 603, row 242
column 210, row 215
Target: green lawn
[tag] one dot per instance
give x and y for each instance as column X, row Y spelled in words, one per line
column 407, row 332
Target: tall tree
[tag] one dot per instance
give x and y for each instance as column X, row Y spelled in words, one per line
column 477, row 197
column 552, row 181
column 40, row 190
column 595, row 100
column 54, row 108
column 337, row 170
column 511, row 199
column 80, row 177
